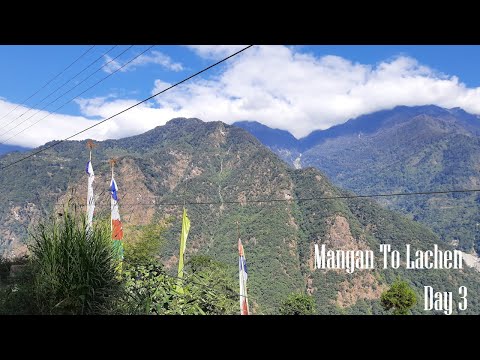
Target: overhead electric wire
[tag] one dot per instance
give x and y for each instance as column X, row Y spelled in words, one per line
column 83, row 92
column 215, row 202
column 58, row 88
column 181, row 203
column 223, row 202
column 125, row 110
column 81, row 82
column 48, row 82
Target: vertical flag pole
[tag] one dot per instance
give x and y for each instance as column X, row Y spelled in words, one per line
column 238, row 230
column 90, row 195
column 115, row 222
column 183, row 245
column 112, row 163
column 242, row 275
column 90, row 146
column 183, row 240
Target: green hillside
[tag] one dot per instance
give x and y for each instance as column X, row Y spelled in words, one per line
column 188, row 160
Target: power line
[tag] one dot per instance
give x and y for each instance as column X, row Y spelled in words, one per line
column 231, row 201
column 54, row 91
column 81, row 82
column 296, row 199
column 314, row 198
column 48, row 82
column 83, row 92
column 129, row 108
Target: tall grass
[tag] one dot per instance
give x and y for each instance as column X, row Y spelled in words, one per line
column 74, row 271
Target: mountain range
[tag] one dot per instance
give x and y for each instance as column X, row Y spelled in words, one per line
column 224, row 175
column 405, row 149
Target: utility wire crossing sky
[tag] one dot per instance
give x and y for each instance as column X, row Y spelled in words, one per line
column 295, row 88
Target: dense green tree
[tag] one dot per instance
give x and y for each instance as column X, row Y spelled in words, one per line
column 215, row 287
column 400, row 297
column 298, row 304
column 143, row 243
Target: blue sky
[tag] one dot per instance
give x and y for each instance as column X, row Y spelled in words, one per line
column 462, row 61
column 296, row 88
column 27, row 68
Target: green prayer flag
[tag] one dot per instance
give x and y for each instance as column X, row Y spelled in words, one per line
column 118, row 249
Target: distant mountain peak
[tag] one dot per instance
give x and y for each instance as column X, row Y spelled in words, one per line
column 253, row 123
column 183, row 121
column 6, row 149
column 267, row 135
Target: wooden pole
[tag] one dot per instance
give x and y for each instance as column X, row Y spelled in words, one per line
column 112, row 164
column 90, row 146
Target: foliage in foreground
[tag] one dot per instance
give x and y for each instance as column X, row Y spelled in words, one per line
column 400, row 297
column 144, row 242
column 149, row 289
column 71, row 271
column 298, row 304
column 74, row 270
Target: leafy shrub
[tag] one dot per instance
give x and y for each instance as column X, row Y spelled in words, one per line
column 400, row 297
column 149, row 289
column 143, row 243
column 298, row 304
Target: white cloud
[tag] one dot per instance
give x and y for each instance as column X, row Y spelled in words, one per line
column 215, row 51
column 295, row 91
column 58, row 126
column 154, row 57
column 279, row 86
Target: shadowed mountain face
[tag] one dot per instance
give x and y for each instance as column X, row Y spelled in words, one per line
column 406, row 149
column 5, row 149
column 223, row 169
column 280, row 141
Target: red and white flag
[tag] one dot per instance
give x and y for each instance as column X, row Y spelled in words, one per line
column 117, row 229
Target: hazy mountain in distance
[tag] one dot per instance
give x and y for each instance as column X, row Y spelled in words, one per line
column 5, row 149
column 280, row 141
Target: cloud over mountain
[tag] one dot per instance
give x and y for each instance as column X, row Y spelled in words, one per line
column 282, row 87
